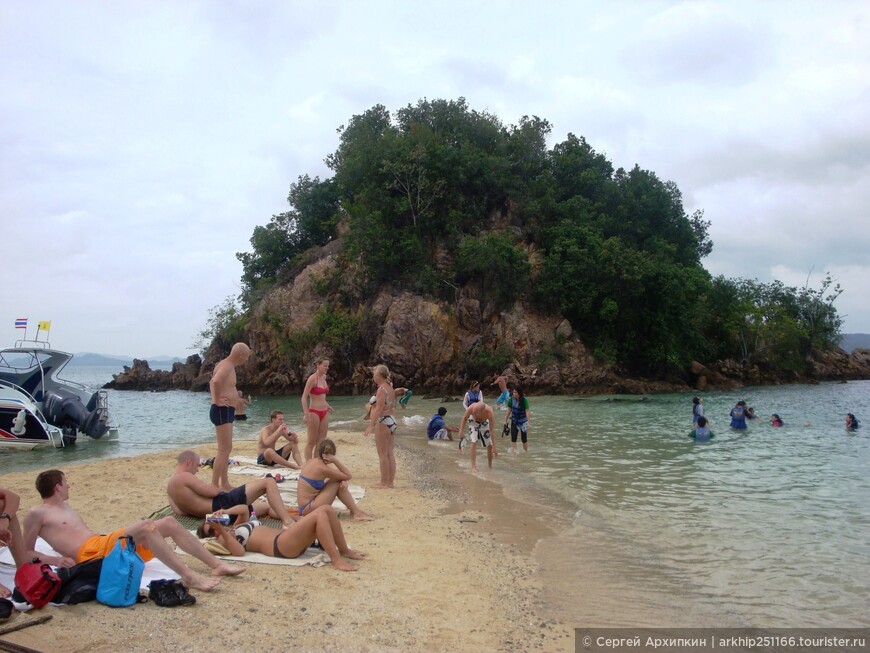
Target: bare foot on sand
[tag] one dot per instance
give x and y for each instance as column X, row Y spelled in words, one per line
column 353, row 555
column 359, row 515
column 196, row 581
column 224, row 569
column 343, row 565
column 381, row 486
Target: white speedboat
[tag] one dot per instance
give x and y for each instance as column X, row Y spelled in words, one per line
column 39, row 409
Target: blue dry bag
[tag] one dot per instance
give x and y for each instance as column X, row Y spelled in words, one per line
column 121, row 575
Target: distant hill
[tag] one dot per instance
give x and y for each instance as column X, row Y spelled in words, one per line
column 90, row 360
column 852, row 341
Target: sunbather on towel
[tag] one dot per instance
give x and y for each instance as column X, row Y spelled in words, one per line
column 322, row 479
column 189, row 495
column 268, row 451
column 320, row 523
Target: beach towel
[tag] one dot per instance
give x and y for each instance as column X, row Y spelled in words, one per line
column 313, row 556
column 154, row 569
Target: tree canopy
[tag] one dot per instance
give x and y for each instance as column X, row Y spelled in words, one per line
column 439, row 194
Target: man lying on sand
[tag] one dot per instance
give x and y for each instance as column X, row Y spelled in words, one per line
column 189, row 495
column 62, row 527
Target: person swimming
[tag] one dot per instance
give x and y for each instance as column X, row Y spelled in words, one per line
column 775, row 420
column 851, row 422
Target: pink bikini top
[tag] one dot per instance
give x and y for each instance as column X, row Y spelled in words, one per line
column 317, row 390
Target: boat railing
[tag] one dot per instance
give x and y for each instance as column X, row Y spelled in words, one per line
column 21, row 344
column 8, row 384
column 53, row 433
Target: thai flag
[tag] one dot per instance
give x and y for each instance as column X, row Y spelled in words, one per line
column 21, row 323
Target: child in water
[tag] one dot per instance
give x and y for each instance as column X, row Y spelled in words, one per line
column 775, row 420
column 701, row 432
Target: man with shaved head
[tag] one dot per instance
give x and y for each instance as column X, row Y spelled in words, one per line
column 223, row 410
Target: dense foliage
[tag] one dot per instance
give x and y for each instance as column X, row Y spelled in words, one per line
column 440, row 195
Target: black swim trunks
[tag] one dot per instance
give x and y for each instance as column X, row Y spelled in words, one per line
column 261, row 459
column 220, row 415
column 224, row 500
column 241, row 418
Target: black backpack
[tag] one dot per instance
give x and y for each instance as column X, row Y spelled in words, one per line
column 78, row 583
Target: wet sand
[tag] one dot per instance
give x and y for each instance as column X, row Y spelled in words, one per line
column 448, row 567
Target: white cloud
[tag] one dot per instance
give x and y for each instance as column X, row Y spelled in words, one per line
column 140, row 143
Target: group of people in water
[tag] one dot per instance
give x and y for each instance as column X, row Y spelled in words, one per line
column 479, row 419
column 739, row 415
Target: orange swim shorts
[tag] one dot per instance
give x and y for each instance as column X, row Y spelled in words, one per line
column 99, row 546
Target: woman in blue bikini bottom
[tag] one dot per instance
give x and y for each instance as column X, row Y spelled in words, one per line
column 323, row 479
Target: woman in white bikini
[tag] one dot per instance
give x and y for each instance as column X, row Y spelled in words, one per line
column 382, row 422
column 315, row 410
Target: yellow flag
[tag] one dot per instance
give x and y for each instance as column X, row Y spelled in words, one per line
column 44, row 326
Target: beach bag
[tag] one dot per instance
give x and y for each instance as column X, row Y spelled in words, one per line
column 121, row 575
column 37, row 582
column 78, row 584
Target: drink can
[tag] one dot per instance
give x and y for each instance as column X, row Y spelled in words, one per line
column 218, row 519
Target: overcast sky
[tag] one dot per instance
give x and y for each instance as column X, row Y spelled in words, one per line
column 142, row 142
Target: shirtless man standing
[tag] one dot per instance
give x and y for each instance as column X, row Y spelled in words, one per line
column 63, row 528
column 242, row 404
column 480, row 419
column 501, row 381
column 270, row 454
column 224, row 396
column 190, row 496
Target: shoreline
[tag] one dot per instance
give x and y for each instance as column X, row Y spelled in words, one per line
column 436, row 577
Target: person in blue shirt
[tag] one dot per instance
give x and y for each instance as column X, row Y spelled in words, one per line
column 851, row 422
column 473, row 395
column 519, row 415
column 701, row 432
column 697, row 410
column 738, row 415
column 437, row 429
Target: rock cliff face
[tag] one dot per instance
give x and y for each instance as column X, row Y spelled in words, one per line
column 438, row 347
column 141, row 377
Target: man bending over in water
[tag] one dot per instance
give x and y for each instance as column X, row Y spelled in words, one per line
column 480, row 419
column 224, row 396
column 188, row 495
column 62, row 527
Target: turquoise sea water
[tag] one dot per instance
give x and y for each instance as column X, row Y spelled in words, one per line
column 766, row 527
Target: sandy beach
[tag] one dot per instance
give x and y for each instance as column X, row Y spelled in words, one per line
column 439, row 575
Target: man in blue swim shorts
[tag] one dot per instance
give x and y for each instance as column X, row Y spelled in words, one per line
column 501, row 382
column 189, row 495
column 224, row 396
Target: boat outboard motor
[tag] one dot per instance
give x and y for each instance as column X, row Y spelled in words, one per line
column 64, row 408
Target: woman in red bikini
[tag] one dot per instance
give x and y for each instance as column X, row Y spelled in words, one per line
column 315, row 410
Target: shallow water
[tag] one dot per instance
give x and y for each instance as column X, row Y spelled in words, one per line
column 768, row 527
